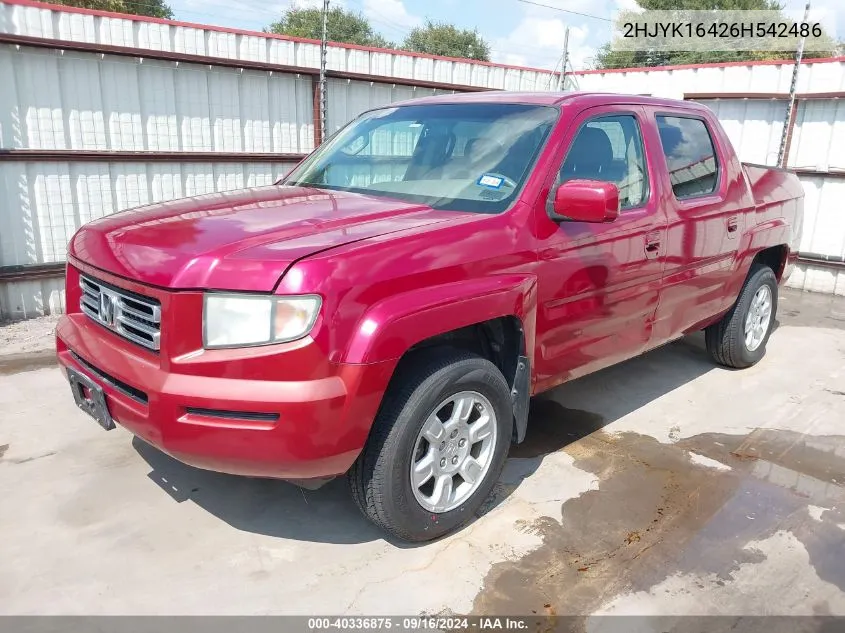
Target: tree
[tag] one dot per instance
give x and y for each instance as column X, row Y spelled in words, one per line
column 149, row 8
column 606, row 57
column 343, row 26
column 440, row 38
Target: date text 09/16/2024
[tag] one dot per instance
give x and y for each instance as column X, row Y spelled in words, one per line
column 421, row 623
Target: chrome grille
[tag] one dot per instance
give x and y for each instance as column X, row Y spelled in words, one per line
column 133, row 316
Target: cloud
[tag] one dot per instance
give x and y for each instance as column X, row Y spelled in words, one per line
column 391, row 12
column 537, row 40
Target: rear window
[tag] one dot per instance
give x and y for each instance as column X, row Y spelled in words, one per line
column 690, row 156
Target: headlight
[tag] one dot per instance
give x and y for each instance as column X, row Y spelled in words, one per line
column 232, row 320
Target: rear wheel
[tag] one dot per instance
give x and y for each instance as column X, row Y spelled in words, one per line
column 739, row 338
column 437, row 445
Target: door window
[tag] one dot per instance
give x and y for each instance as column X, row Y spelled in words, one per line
column 690, row 156
column 610, row 149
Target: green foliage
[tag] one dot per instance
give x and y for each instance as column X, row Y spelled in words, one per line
column 343, row 26
column 607, row 58
column 149, row 8
column 440, row 38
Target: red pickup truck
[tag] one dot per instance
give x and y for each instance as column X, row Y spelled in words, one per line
column 387, row 310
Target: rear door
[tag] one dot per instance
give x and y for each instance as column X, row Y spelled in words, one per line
column 599, row 283
column 698, row 184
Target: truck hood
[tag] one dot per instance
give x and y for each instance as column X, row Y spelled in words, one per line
column 241, row 240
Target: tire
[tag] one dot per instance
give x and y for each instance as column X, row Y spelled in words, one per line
column 380, row 479
column 726, row 339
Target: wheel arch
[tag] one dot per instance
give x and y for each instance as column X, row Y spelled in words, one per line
column 493, row 317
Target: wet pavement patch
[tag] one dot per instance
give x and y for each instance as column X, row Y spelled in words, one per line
column 3, row 449
column 657, row 513
column 810, row 309
column 551, row 427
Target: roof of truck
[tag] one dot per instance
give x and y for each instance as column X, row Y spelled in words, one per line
column 551, row 98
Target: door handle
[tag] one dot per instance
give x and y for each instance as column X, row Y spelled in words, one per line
column 733, row 224
column 652, row 244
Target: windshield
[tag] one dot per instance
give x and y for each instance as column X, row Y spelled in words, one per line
column 465, row 157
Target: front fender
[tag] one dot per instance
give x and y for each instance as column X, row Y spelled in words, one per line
column 392, row 326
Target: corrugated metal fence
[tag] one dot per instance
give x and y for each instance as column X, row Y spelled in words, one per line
column 101, row 112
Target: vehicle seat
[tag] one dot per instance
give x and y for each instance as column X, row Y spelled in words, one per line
column 591, row 157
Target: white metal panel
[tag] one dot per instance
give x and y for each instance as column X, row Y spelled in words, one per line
column 818, row 135
column 513, row 79
column 335, row 57
column 11, row 130
column 189, row 40
column 291, row 114
column 82, row 103
column 153, row 35
column 198, row 179
column 480, row 76
column 461, row 73
column 75, row 27
column 136, row 32
column 228, row 176
column 253, row 47
column 424, row 68
column 376, row 63
column 29, row 299
column 194, row 111
column 44, row 203
column 117, row 31
column 92, row 187
column 308, row 55
column 403, row 66
column 357, row 60
column 40, row 103
column 824, row 221
column 753, row 126
column 820, row 77
column 122, row 106
column 818, row 279
column 255, row 112
column 495, row 77
column 33, row 21
column 813, row 77
column 347, row 99
column 281, row 52
column 221, row 44
column 17, row 216
column 443, row 70
column 157, row 94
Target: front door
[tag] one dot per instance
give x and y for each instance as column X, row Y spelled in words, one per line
column 599, row 284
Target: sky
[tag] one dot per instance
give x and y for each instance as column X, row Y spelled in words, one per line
column 518, row 32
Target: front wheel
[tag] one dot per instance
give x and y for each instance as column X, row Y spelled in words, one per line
column 437, row 445
column 739, row 339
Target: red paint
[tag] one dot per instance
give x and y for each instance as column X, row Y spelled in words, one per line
column 288, row 38
column 587, row 201
column 392, row 274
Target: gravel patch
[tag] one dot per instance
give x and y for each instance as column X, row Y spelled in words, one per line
column 30, row 336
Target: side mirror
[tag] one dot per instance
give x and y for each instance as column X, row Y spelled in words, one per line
column 585, row 201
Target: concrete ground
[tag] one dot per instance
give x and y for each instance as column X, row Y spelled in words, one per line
column 665, row 485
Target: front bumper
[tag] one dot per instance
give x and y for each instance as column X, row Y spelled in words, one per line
column 203, row 411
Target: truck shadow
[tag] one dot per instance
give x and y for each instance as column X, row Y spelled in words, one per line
column 328, row 515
